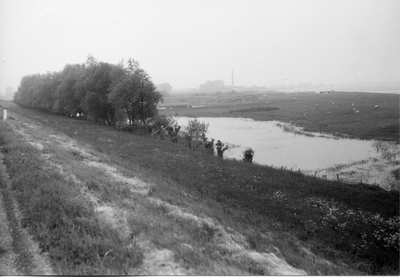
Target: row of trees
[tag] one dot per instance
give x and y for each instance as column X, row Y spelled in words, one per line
column 103, row 92
column 211, row 86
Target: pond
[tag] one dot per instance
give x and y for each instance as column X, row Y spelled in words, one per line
column 274, row 146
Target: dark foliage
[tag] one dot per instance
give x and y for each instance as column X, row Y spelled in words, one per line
column 101, row 92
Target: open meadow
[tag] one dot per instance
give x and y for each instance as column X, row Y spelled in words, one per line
column 104, row 201
column 333, row 112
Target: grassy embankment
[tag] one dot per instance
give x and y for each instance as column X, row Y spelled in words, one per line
column 355, row 227
column 64, row 223
column 327, row 113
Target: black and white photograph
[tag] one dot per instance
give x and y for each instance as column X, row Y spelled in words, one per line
column 200, row 137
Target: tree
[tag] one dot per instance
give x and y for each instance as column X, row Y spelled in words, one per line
column 165, row 89
column 196, row 129
column 162, row 120
column 124, row 96
column 93, row 89
column 210, row 86
column 133, row 91
column 38, row 91
column 44, row 92
column 26, row 92
column 65, row 100
column 148, row 97
column 106, row 92
column 51, row 82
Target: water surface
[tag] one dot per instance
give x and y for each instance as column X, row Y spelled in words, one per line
column 273, row 146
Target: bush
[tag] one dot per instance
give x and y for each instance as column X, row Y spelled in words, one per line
column 162, row 120
column 196, row 129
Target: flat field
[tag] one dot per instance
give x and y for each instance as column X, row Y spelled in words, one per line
column 326, row 112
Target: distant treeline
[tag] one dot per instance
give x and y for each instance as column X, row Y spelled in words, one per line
column 105, row 93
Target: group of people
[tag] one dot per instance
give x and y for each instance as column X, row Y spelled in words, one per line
column 209, row 146
column 172, row 131
column 221, row 148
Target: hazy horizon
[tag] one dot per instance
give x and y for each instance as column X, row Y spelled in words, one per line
column 187, row 43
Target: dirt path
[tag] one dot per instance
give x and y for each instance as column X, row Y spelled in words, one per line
column 156, row 261
column 19, row 254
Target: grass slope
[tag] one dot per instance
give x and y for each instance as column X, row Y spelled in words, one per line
column 64, row 224
column 320, row 226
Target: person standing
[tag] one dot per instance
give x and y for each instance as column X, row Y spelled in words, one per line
column 221, row 149
column 209, row 146
column 162, row 132
column 174, row 134
column 188, row 138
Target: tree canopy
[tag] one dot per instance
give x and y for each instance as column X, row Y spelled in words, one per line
column 103, row 92
column 215, row 85
column 164, row 88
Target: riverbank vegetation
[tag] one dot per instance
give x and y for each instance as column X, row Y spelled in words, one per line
column 323, row 227
column 333, row 113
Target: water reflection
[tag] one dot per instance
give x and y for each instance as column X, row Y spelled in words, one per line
column 273, row 146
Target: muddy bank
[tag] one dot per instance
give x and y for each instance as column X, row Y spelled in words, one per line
column 372, row 171
column 379, row 170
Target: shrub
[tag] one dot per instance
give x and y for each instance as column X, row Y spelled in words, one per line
column 196, row 129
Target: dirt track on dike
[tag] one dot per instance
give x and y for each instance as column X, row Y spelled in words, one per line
column 22, row 254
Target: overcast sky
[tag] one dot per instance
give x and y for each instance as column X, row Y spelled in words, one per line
column 187, row 43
